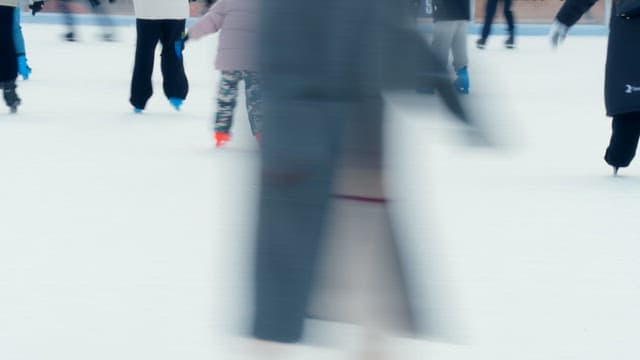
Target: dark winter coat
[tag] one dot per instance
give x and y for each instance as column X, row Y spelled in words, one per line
column 622, row 80
column 451, row 10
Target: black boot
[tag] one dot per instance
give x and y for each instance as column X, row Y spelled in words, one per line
column 10, row 97
column 511, row 42
column 70, row 36
column 481, row 43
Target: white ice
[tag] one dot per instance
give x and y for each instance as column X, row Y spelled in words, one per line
column 127, row 236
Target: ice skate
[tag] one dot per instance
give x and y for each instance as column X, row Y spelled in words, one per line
column 462, row 81
column 10, row 96
column 481, row 43
column 221, row 138
column 510, row 43
column 70, row 36
column 176, row 102
column 615, row 171
column 108, row 37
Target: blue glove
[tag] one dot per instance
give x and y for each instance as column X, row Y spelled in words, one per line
column 179, row 45
column 23, row 69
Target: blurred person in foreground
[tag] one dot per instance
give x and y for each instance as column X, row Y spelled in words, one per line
column 622, row 74
column 322, row 203
column 103, row 19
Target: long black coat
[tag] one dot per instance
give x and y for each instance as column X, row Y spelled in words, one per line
column 622, row 80
column 448, row 10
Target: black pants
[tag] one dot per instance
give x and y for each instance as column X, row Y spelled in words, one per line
column 8, row 63
column 490, row 13
column 624, row 139
column 175, row 82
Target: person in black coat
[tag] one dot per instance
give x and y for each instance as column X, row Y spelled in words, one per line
column 490, row 13
column 622, row 77
column 451, row 19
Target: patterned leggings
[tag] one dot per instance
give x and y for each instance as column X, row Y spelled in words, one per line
column 227, row 94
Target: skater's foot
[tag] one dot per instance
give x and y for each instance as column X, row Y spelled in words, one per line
column 462, row 80
column 108, row 37
column 137, row 110
column 13, row 108
column 615, row 171
column 510, row 43
column 10, row 96
column 176, row 102
column 70, row 36
column 221, row 138
column 481, row 43
column 259, row 138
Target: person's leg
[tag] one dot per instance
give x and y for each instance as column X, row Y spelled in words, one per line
column 508, row 14
column 624, row 140
column 511, row 26
column 63, row 6
column 490, row 12
column 460, row 57
column 459, row 46
column 253, row 94
column 226, row 101
column 104, row 20
column 443, row 32
column 148, row 33
column 174, row 82
column 299, row 155
column 8, row 63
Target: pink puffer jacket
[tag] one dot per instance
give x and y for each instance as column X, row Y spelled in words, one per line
column 237, row 21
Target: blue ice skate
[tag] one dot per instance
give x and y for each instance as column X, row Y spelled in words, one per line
column 176, row 103
column 462, row 81
column 137, row 110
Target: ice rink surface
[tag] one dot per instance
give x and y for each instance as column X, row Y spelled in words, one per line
column 129, row 236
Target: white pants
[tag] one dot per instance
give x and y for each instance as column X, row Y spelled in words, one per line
column 451, row 36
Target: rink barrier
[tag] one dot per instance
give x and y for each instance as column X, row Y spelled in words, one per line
column 521, row 29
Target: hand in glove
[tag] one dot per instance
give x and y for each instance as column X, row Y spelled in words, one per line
column 557, row 33
column 36, row 7
column 94, row 3
column 179, row 44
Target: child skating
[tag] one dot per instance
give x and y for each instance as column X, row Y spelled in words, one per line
column 237, row 22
